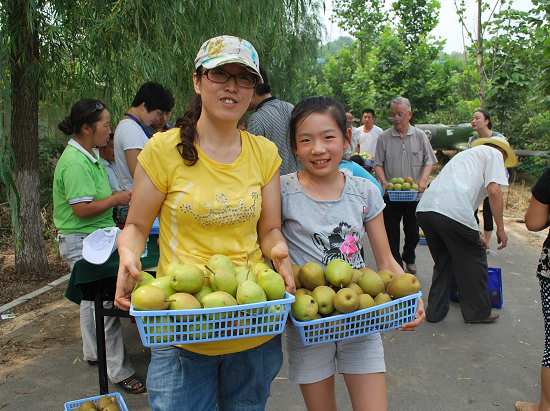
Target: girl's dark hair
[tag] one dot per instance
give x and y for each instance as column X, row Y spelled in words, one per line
column 85, row 111
column 318, row 104
column 487, row 117
column 356, row 158
column 188, row 129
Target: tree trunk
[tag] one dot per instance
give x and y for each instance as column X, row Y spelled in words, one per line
column 479, row 55
column 30, row 254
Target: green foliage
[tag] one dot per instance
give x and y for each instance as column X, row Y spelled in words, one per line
column 417, row 18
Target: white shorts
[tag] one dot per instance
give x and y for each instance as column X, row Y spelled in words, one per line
column 314, row 363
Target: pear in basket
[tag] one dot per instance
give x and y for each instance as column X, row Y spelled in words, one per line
column 312, row 275
column 272, row 283
column 87, row 406
column 149, row 297
column 249, row 292
column 346, row 300
column 339, row 273
column 404, row 285
column 324, row 296
column 305, row 308
column 371, row 283
column 185, row 278
column 104, row 402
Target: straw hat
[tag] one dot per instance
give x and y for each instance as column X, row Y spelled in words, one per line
column 511, row 159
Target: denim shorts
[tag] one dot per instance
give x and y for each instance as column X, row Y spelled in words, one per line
column 181, row 380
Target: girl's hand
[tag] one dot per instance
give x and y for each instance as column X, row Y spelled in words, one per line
column 420, row 317
column 282, row 264
column 127, row 277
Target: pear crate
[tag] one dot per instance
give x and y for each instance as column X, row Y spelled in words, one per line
column 97, row 401
column 399, row 196
column 173, row 327
column 379, row 318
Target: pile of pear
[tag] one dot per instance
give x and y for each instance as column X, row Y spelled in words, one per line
column 220, row 284
column 103, row 404
column 338, row 289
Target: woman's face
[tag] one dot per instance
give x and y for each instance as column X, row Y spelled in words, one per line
column 225, row 101
column 102, row 129
column 479, row 121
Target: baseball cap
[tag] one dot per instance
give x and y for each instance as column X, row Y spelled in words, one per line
column 98, row 246
column 221, row 50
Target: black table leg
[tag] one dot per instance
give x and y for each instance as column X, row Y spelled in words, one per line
column 100, row 338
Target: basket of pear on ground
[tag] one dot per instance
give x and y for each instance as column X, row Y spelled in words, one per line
column 108, row 402
column 341, row 302
column 222, row 302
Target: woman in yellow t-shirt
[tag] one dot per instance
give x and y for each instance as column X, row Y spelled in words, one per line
column 216, row 189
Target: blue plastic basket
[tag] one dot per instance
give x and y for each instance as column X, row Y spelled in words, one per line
column 397, row 196
column 170, row 327
column 422, row 241
column 494, row 288
column 380, row 318
column 71, row 405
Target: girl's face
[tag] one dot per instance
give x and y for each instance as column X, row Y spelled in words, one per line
column 320, row 144
column 479, row 121
column 102, row 129
column 229, row 100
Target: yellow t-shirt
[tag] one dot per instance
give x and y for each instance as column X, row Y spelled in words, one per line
column 210, row 208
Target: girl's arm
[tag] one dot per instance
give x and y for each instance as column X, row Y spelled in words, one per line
column 271, row 239
column 96, row 207
column 537, row 217
column 146, row 202
column 385, row 261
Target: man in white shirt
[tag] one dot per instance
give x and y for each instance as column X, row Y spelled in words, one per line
column 368, row 133
column 107, row 158
column 446, row 215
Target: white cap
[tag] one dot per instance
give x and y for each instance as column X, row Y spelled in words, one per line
column 98, row 246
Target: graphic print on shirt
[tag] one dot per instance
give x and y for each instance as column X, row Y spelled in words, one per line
column 343, row 243
column 225, row 212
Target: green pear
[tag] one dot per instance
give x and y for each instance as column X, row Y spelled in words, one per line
column 272, row 283
column 219, row 261
column 164, row 284
column 183, row 301
column 371, row 283
column 324, row 296
column 242, row 273
column 205, row 290
column 111, row 407
column 382, row 298
column 346, row 300
column 249, row 292
column 302, row 291
column 339, row 273
column 386, row 276
column 185, row 278
column 356, row 275
column 149, row 297
column 87, row 406
column 105, row 401
column 218, row 299
column 403, row 285
column 312, row 275
column 223, row 279
column 304, row 308
column 145, row 278
column 296, row 273
column 259, row 267
column 365, row 301
column 355, row 287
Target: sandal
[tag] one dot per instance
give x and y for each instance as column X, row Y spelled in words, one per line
column 132, row 385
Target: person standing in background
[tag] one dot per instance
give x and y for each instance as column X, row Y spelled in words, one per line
column 270, row 119
column 403, row 151
column 368, row 133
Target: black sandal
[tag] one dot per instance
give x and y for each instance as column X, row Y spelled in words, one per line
column 133, row 385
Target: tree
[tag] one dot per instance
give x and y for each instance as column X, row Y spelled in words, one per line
column 61, row 50
column 417, row 18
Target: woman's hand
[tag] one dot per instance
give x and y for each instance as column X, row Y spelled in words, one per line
column 282, row 264
column 420, row 317
column 128, row 275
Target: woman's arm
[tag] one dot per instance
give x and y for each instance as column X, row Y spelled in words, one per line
column 271, row 239
column 537, row 216
column 385, row 261
column 146, row 203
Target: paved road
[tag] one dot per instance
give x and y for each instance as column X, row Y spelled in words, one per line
column 447, row 366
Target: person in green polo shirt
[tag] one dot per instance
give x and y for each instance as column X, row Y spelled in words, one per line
column 82, row 203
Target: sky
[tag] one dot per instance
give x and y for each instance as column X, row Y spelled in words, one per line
column 449, row 28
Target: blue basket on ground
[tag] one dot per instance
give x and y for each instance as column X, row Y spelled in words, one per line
column 494, row 288
column 422, row 241
column 398, row 196
column 72, row 405
column 171, row 327
column 380, row 318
